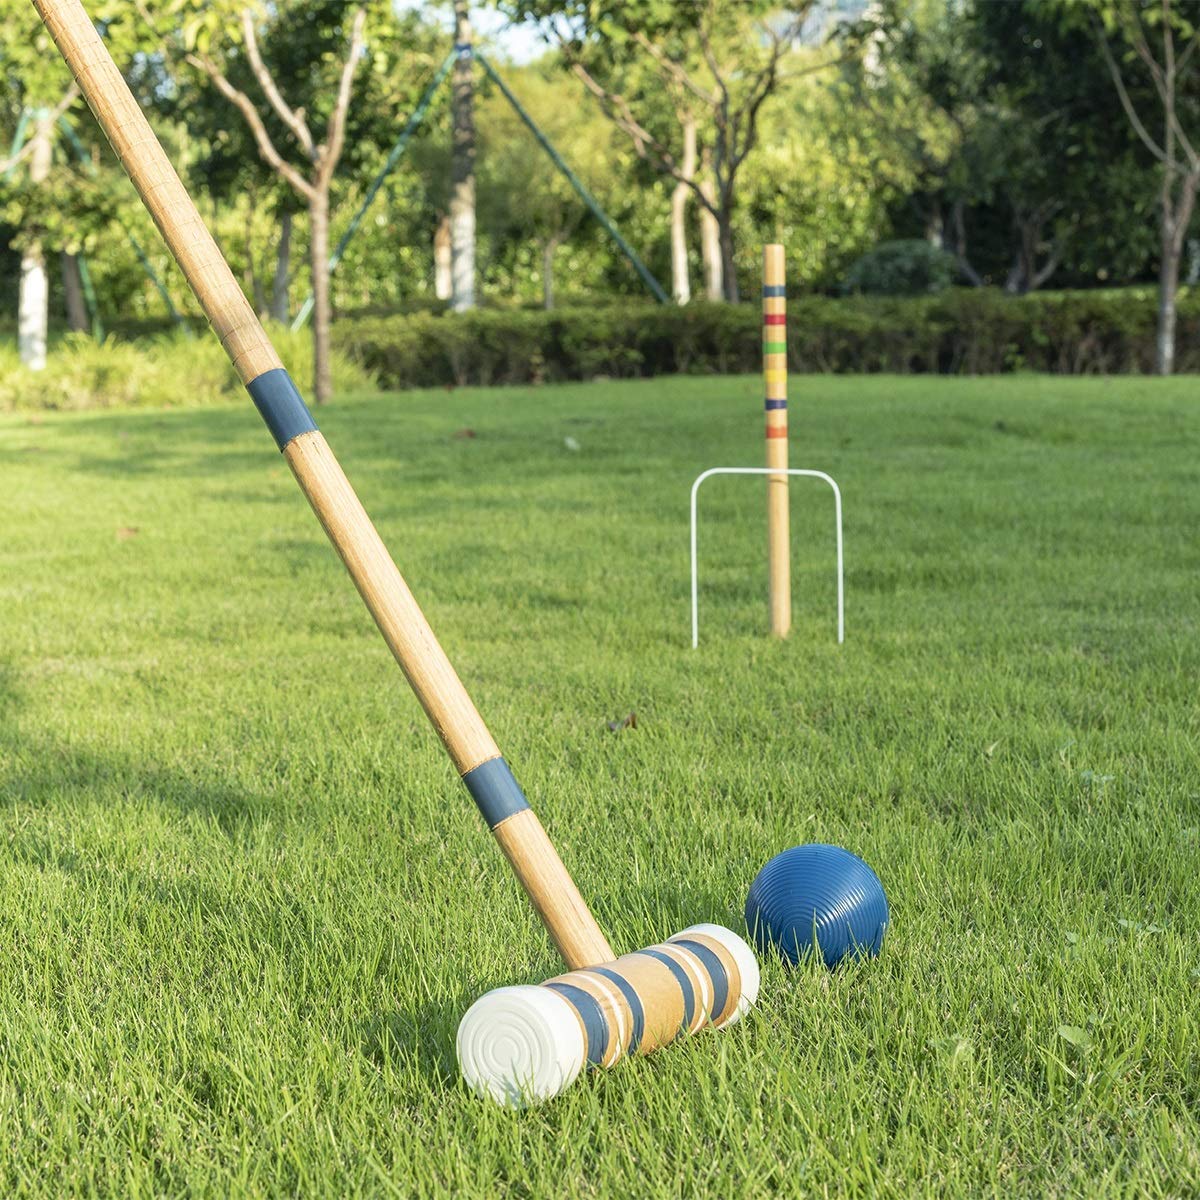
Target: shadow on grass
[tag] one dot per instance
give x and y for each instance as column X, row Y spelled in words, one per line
column 424, row 1034
column 39, row 771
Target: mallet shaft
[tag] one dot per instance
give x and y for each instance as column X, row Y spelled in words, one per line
column 400, row 620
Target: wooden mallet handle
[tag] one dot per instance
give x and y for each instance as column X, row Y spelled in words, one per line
column 400, row 620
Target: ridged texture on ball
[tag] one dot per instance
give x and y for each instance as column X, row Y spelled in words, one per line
column 520, row 1045
column 817, row 897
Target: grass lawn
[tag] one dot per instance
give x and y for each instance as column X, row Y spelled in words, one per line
column 244, row 899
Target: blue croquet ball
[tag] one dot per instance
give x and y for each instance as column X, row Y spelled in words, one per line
column 817, row 898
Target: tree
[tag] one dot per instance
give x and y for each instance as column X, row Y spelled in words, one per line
column 1072, row 183
column 523, row 192
column 309, row 41
column 40, row 89
column 462, row 166
column 1160, row 41
column 720, row 60
column 996, row 125
column 261, row 221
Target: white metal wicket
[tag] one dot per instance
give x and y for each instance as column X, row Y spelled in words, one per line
column 837, row 512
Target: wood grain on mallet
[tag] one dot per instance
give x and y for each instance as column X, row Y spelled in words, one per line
column 775, row 385
column 552, row 891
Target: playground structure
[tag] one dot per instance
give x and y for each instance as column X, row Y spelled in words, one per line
column 779, row 598
column 465, row 51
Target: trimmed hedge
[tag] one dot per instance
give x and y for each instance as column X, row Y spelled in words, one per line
column 961, row 331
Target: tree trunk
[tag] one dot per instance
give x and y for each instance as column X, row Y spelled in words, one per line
column 318, row 219
column 548, row 248
column 443, row 271
column 1168, row 285
column 710, row 242
column 728, row 267
column 967, row 271
column 681, row 288
column 281, row 280
column 935, row 225
column 462, row 165
column 33, row 313
column 1175, row 219
column 77, row 313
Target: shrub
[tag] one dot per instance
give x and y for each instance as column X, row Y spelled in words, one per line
column 910, row 267
column 958, row 331
column 166, row 370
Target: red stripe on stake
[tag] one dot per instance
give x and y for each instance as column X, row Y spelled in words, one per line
column 772, row 432
column 774, row 318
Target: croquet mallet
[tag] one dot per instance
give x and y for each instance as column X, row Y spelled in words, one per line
column 515, row 1044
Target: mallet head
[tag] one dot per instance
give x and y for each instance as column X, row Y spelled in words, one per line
column 523, row 1045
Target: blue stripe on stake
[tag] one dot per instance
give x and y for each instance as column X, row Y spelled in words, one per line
column 496, row 793
column 776, row 404
column 681, row 978
column 635, row 1005
column 774, row 289
column 279, row 403
column 716, row 972
column 592, row 1016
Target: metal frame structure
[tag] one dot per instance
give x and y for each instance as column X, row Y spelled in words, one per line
column 415, row 121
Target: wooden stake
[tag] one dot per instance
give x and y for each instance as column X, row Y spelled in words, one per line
column 775, row 382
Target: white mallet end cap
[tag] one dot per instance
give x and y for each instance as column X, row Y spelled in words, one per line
column 520, row 1045
column 747, row 966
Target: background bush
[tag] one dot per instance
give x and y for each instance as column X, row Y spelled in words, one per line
column 909, row 267
column 160, row 371
column 958, row 331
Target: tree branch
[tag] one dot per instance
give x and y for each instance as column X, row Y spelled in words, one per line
column 763, row 85
column 265, row 146
column 292, row 118
column 1127, row 104
column 673, row 68
column 335, row 136
column 710, row 58
column 647, row 146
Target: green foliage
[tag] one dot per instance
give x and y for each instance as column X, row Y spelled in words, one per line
column 65, row 211
column 976, row 331
column 909, row 267
column 165, row 371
